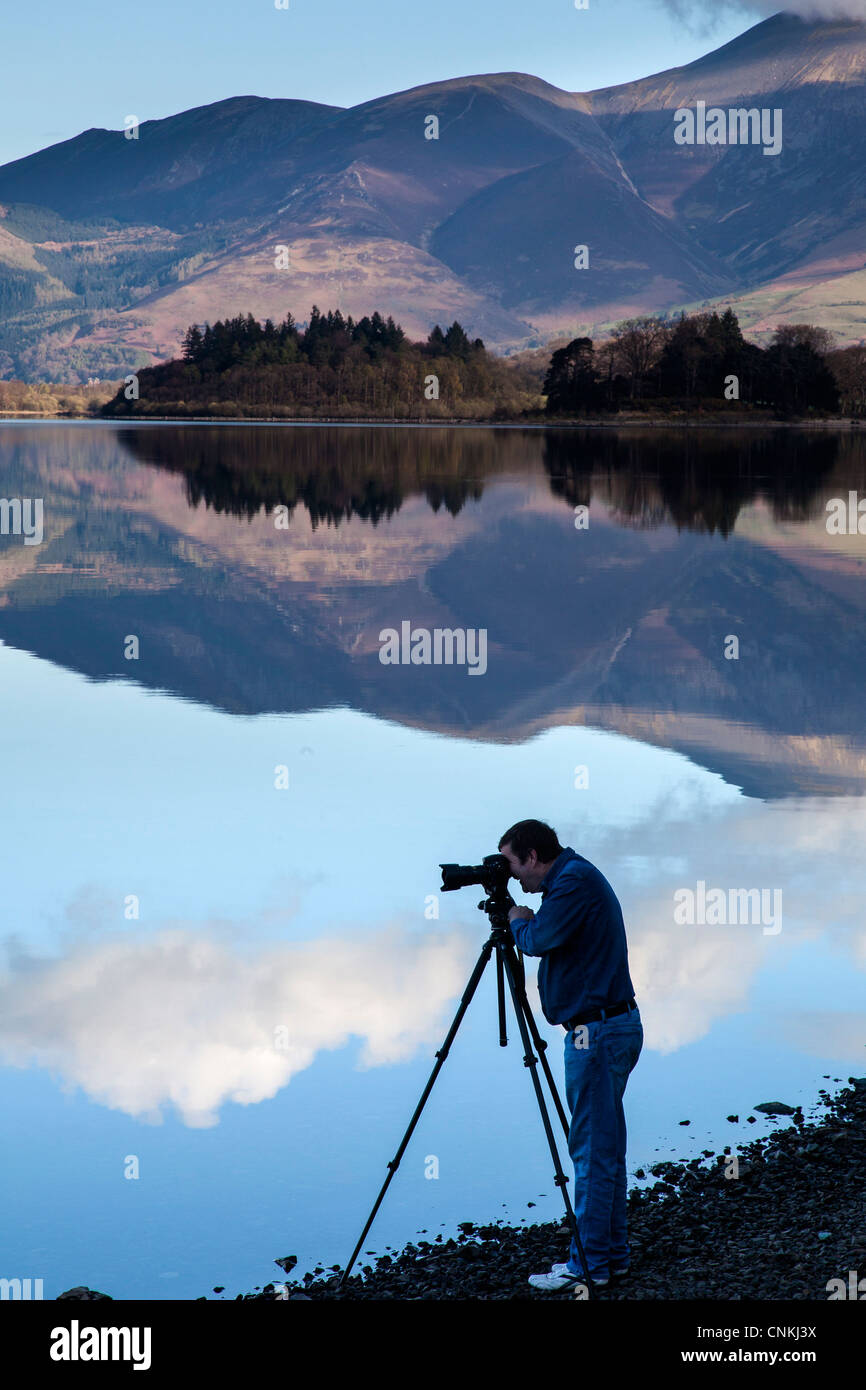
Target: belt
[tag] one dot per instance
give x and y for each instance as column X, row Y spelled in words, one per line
column 594, row 1015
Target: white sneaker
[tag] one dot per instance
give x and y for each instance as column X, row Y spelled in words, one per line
column 555, row 1281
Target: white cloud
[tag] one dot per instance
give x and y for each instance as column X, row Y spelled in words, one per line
column 179, row 1018
column 705, row 14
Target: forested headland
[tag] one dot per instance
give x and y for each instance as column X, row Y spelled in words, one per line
column 334, row 368
column 338, row 368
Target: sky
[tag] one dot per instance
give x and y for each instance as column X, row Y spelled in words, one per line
column 91, row 64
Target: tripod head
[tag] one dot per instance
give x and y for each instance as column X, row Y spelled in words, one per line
column 497, row 906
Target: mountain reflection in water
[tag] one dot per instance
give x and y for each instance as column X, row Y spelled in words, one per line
column 693, row 535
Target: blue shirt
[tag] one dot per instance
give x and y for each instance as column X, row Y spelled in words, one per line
column 580, row 935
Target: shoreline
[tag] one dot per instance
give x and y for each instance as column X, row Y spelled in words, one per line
column 418, row 422
column 793, row 1220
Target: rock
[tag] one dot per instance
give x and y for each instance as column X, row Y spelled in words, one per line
column 775, row 1107
column 287, row 1263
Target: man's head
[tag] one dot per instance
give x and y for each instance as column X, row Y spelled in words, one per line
column 530, row 847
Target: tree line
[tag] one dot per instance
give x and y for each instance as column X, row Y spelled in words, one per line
column 335, row 366
column 338, row 367
column 702, row 358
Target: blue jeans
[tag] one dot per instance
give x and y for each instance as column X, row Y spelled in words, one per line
column 595, row 1081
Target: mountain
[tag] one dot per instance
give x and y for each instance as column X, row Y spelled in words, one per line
column 762, row 217
column 215, row 162
column 110, row 247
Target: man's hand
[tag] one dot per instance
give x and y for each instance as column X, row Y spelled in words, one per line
column 523, row 913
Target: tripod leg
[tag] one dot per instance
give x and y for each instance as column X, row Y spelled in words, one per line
column 394, row 1164
column 541, row 1048
column 530, row 1061
column 500, row 997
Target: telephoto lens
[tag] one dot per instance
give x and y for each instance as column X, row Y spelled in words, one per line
column 460, row 876
column 492, row 873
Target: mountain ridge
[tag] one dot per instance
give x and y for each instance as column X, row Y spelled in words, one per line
column 760, row 44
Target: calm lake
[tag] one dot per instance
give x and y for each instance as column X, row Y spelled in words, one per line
column 226, row 966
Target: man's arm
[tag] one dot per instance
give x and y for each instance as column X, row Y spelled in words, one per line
column 559, row 916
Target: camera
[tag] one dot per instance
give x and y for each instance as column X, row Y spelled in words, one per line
column 492, row 874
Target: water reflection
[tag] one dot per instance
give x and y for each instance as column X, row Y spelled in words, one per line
column 696, row 479
column 694, row 536
column 701, row 480
column 282, row 986
column 178, row 1019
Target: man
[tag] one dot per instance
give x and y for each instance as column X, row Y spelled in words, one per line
column 584, row 984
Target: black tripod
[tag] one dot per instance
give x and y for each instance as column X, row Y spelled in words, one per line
column 509, row 965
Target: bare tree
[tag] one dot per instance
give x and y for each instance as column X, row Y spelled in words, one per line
column 790, row 335
column 639, row 344
column 848, row 366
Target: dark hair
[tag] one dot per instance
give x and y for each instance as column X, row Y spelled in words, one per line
column 532, row 834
